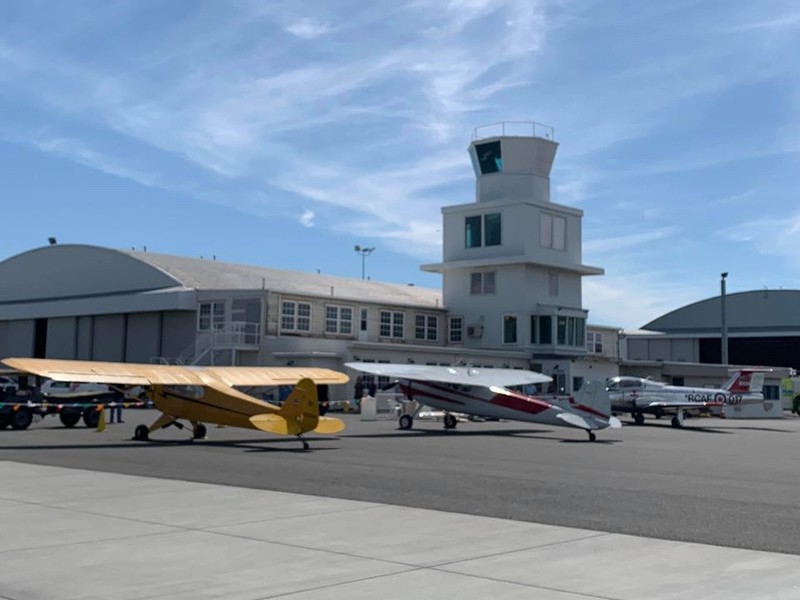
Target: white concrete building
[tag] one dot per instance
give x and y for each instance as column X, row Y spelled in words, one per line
column 511, row 263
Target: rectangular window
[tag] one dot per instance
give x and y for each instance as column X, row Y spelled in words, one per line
column 509, row 329
column 490, row 157
column 571, row 325
column 481, row 282
column 211, row 316
column 561, row 334
column 491, row 227
column 392, row 324
column 546, row 330
column 295, row 316
column 552, row 281
column 426, row 328
column 594, row 342
column 338, row 319
column 456, row 329
column 473, row 234
column 577, row 383
column 534, row 329
column 364, row 315
column 552, row 231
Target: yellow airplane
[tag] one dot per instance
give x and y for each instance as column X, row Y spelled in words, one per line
column 206, row 394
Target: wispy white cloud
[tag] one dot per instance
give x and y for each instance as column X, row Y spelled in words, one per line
column 630, row 300
column 362, row 116
column 307, row 218
column 775, row 236
column 308, row 29
column 624, row 242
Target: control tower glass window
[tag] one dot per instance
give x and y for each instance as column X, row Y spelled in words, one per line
column 490, row 158
column 473, row 232
column 492, row 227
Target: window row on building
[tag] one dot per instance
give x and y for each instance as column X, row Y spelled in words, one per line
column 486, row 230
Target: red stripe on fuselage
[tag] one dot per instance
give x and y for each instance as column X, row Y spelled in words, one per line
column 526, row 404
column 410, row 392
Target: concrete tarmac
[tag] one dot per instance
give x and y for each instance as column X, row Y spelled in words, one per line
column 728, row 483
column 74, row 534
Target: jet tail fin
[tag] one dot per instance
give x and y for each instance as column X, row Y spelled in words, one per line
column 745, row 381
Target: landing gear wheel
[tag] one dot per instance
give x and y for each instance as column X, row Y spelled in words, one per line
column 69, row 419
column 5, row 421
column 141, row 433
column 91, row 417
column 199, row 432
column 638, row 418
column 676, row 422
column 450, row 421
column 406, row 422
column 21, row 419
column 592, row 436
column 305, row 445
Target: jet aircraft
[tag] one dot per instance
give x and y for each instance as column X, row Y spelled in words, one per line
column 206, row 394
column 638, row 396
column 485, row 393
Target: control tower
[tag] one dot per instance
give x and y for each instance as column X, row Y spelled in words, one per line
column 511, row 263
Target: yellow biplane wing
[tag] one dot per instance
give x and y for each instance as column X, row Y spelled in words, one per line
column 116, row 373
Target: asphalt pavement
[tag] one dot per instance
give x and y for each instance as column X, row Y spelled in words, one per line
column 721, row 482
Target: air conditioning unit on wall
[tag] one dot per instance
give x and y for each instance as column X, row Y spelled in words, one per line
column 475, row 331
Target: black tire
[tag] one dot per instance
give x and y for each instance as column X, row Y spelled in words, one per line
column 676, row 422
column 638, row 418
column 69, row 418
column 21, row 419
column 5, row 421
column 406, row 422
column 450, row 421
column 592, row 436
column 200, row 432
column 141, row 433
column 91, row 417
column 796, row 405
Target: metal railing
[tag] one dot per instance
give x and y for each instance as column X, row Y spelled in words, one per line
column 230, row 335
column 514, row 129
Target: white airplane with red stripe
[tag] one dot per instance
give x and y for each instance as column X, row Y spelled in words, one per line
column 484, row 393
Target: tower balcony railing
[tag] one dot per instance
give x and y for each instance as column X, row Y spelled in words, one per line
column 514, row 129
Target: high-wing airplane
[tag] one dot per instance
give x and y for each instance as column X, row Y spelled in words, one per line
column 485, row 393
column 638, row 396
column 206, row 394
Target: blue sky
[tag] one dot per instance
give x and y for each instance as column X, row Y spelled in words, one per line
column 283, row 133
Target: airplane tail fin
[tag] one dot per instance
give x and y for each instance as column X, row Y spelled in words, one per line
column 298, row 414
column 745, row 381
column 302, row 404
column 593, row 399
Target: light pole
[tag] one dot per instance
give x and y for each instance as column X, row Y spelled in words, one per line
column 724, row 326
column 364, row 252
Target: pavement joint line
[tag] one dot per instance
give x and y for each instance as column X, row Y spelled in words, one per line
column 210, row 529
column 530, row 585
column 340, row 583
column 83, row 542
column 515, row 550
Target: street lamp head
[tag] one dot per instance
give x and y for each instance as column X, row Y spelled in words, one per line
column 724, row 275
